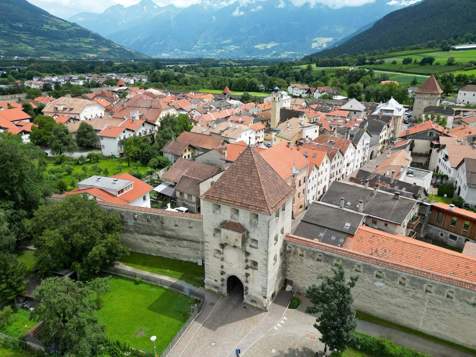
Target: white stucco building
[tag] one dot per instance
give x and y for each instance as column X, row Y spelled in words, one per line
column 467, row 95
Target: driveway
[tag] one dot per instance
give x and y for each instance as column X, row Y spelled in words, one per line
column 226, row 323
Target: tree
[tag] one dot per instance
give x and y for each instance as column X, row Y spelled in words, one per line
column 138, row 148
column 76, row 234
column 86, row 136
column 170, row 128
column 427, row 60
column 354, row 90
column 407, row 60
column 21, row 174
column 47, row 133
column 451, row 61
column 12, row 278
column 332, row 304
column 67, row 311
column 7, row 238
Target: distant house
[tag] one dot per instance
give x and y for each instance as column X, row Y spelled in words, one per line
column 394, row 111
column 354, row 107
column 119, row 189
column 467, row 95
column 299, row 90
column 466, row 180
column 190, row 145
column 182, row 182
column 77, row 108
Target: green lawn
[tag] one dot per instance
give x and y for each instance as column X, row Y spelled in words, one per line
column 439, row 199
column 19, row 324
column 234, row 93
column 28, row 258
column 440, row 56
column 6, row 352
column 186, row 271
column 353, row 353
column 403, row 78
column 133, row 311
column 71, row 172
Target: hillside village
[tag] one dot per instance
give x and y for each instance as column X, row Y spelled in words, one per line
column 390, row 186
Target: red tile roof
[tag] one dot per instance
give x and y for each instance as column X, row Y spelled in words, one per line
column 404, row 254
column 430, row 86
column 250, row 183
column 112, row 131
column 284, row 159
column 9, row 127
column 422, row 127
column 43, row 100
column 197, row 140
column 14, row 115
column 455, row 210
column 139, row 189
column 10, row 104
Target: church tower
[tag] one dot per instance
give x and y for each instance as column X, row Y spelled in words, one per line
column 275, row 109
column 246, row 215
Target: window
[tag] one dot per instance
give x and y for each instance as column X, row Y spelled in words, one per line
column 254, row 265
column 254, row 218
column 358, row 268
column 276, row 238
column 429, row 289
column 439, row 217
column 453, row 237
column 466, row 225
column 235, row 213
column 216, row 208
column 144, row 198
column 402, row 281
column 254, row 243
column 454, row 220
column 379, row 274
column 450, row 295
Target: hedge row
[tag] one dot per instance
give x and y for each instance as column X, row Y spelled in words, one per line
column 379, row 347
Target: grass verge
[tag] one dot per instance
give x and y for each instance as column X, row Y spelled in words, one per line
column 378, row 321
column 19, row 324
column 186, row 271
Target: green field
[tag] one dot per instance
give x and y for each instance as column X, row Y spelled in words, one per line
column 70, row 172
column 186, row 271
column 28, row 258
column 19, row 324
column 440, row 56
column 6, row 352
column 133, row 311
column 234, row 93
column 403, row 78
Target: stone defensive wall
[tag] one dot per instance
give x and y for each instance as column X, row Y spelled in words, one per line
column 435, row 304
column 160, row 232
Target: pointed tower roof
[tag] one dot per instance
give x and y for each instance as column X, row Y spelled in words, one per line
column 430, row 86
column 250, row 183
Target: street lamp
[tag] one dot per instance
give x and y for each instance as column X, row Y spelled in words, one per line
column 153, row 339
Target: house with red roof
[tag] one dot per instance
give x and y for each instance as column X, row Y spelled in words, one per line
column 122, row 189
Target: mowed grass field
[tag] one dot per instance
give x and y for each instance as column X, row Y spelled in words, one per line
column 133, row 311
column 403, row 78
column 440, row 56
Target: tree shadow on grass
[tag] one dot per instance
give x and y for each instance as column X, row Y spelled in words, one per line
column 172, row 305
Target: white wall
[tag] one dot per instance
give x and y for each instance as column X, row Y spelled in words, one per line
column 92, row 112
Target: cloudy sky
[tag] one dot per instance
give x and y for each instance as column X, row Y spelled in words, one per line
column 67, row 8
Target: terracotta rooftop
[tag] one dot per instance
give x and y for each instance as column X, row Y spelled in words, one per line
column 404, row 254
column 334, row 142
column 422, row 127
column 457, row 150
column 14, row 115
column 112, row 131
column 430, row 86
column 191, row 169
column 284, row 159
column 250, row 183
column 197, row 140
column 455, row 210
column 463, row 132
column 412, row 253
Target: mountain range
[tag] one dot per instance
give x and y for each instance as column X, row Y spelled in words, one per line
column 429, row 20
column 28, row 31
column 233, row 29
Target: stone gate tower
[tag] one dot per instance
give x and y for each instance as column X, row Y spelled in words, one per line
column 427, row 95
column 246, row 215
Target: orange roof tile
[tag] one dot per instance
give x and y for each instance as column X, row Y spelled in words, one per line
column 257, row 127
column 314, row 156
column 14, row 115
column 463, row 132
column 10, row 104
column 98, row 194
column 283, row 159
column 112, row 131
column 426, row 125
column 9, row 127
column 455, row 210
column 139, row 187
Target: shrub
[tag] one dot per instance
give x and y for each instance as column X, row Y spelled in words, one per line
column 446, row 189
column 295, row 302
column 379, row 347
column 5, row 315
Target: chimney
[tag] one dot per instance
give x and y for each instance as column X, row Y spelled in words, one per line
column 342, row 202
column 396, row 196
column 361, row 206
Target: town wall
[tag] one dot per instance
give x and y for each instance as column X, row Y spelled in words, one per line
column 416, row 299
column 161, row 233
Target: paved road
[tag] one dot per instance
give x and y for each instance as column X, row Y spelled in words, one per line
column 226, row 324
